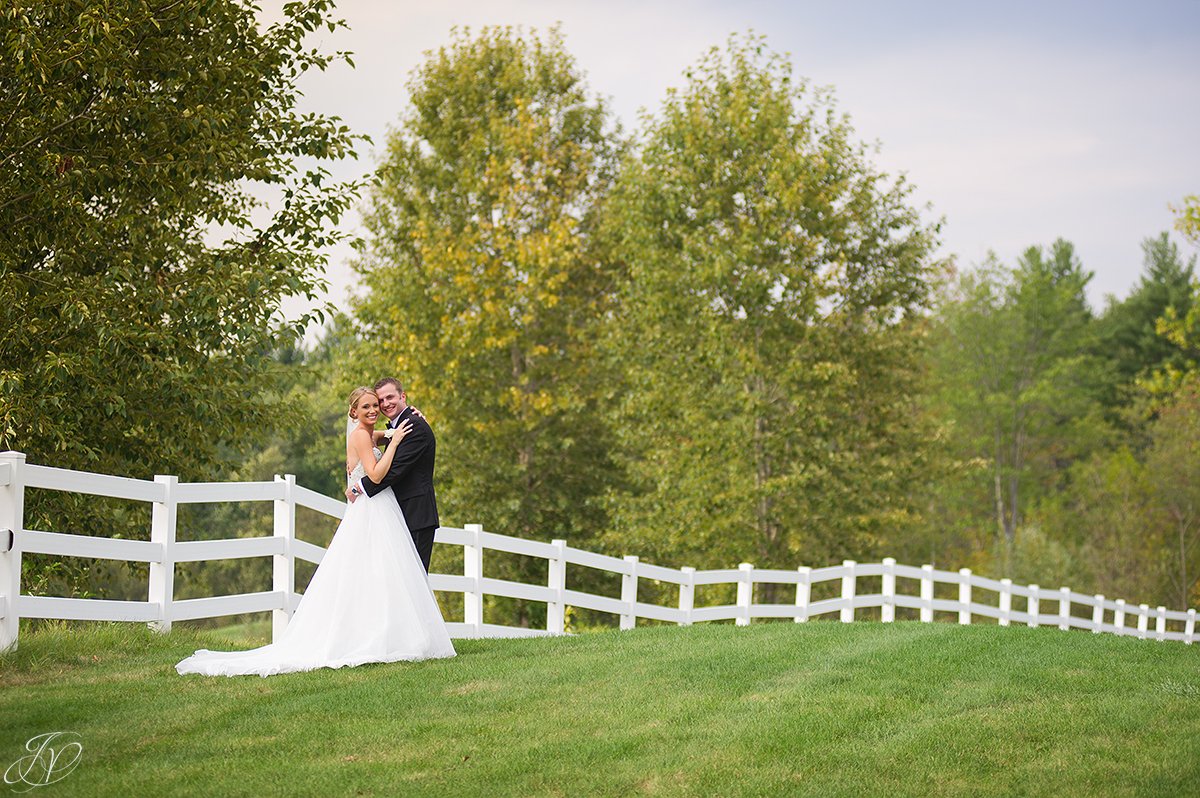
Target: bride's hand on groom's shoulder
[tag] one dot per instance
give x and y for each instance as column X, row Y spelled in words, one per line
column 400, row 431
column 419, row 414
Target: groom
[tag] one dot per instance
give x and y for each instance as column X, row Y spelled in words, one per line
column 411, row 474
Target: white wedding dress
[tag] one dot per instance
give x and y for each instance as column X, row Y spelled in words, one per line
column 369, row 601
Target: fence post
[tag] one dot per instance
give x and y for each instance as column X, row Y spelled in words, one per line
column 848, row 587
column 473, row 570
column 556, row 611
column 687, row 594
column 629, row 593
column 283, row 565
column 745, row 593
column 1119, row 617
column 1064, row 608
column 12, row 520
column 887, row 612
column 927, row 593
column 1032, row 605
column 1143, row 619
column 803, row 593
column 1005, row 602
column 964, row 596
column 1098, row 614
column 1189, row 628
column 1160, row 624
column 163, row 517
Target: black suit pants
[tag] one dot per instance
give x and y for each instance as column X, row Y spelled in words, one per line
column 423, row 538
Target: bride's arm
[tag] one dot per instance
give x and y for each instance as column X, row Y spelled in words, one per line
column 362, row 446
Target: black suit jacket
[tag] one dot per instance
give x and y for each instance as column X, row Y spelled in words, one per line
column 411, row 474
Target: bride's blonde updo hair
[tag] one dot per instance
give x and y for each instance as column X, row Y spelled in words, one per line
column 357, row 394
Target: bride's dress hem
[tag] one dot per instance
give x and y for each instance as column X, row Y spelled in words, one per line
column 187, row 668
column 368, row 601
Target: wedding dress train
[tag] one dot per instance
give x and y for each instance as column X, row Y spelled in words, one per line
column 369, row 601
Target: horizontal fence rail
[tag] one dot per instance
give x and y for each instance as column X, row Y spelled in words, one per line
column 846, row 586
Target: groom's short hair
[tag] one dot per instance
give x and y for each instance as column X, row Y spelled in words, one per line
column 393, row 381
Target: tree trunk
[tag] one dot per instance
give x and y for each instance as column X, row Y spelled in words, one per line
column 768, row 533
column 525, row 449
column 1181, row 524
column 998, row 486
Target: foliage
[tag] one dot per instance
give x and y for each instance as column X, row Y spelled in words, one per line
column 1188, row 218
column 139, row 283
column 766, row 325
column 719, row 344
column 140, row 279
column 482, row 293
column 1173, row 468
column 313, row 446
column 1130, row 332
column 1132, row 515
column 1109, row 519
column 1016, row 387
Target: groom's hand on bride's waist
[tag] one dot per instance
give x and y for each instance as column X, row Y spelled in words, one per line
column 352, row 493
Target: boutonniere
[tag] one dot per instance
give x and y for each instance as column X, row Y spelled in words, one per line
column 388, row 433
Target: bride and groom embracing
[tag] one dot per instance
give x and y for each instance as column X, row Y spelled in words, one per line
column 369, row 600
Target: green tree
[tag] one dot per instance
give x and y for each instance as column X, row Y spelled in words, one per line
column 766, row 325
column 1109, row 520
column 1173, row 467
column 1018, row 391
column 139, row 295
column 140, row 278
column 1188, row 218
column 966, row 363
column 1127, row 332
column 482, row 292
column 313, row 445
column 1179, row 326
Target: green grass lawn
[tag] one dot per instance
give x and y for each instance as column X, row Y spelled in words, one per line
column 772, row 709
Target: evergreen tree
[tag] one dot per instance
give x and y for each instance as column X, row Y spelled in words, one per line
column 1128, row 334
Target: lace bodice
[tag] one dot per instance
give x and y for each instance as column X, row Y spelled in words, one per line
column 359, row 472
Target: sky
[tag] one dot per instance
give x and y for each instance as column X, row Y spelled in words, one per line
column 1018, row 122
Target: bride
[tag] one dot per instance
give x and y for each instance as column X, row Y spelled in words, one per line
column 369, row 600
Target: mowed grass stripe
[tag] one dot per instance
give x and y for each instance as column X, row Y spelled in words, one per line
column 772, row 709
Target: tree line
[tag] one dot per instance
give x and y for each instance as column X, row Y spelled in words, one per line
column 723, row 337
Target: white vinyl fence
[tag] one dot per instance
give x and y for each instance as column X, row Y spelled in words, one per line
column 898, row 585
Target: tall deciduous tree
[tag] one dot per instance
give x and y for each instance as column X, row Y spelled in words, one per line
column 1173, row 467
column 140, row 279
column 482, row 293
column 140, row 295
column 1018, row 390
column 766, row 325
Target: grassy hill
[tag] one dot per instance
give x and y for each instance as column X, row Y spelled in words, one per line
column 772, row 709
